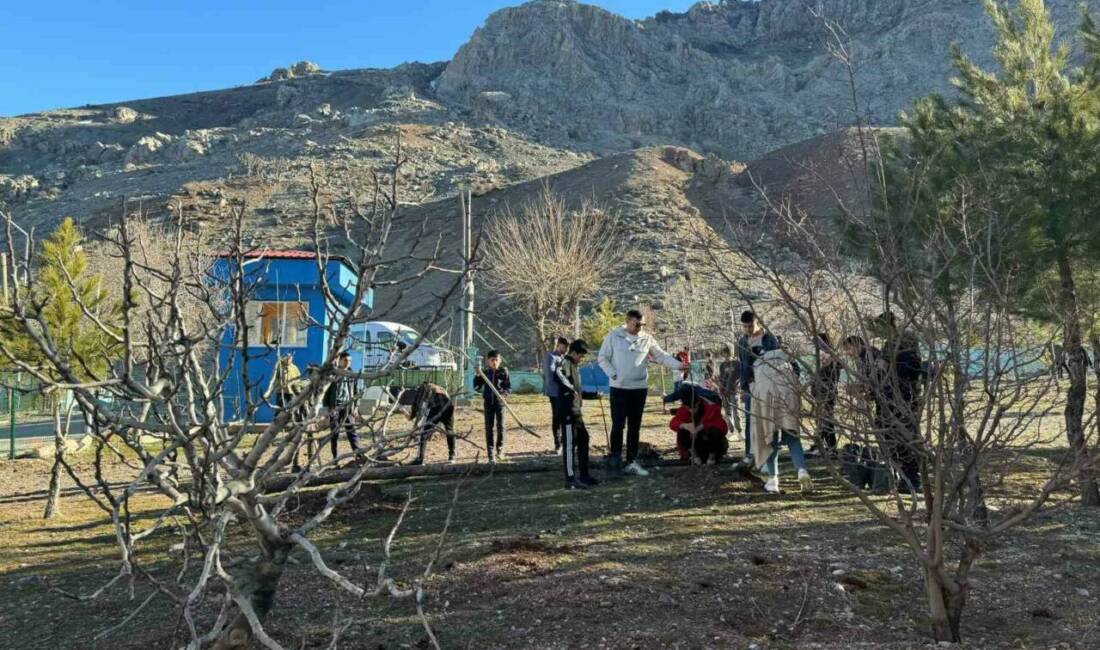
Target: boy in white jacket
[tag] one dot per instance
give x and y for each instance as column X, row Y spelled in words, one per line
column 625, row 356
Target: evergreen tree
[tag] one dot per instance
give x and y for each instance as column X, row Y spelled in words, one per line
column 64, row 297
column 600, row 322
column 1017, row 150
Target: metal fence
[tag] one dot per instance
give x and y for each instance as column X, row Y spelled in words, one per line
column 26, row 396
column 411, row 378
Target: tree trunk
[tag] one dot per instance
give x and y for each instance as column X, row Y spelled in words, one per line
column 53, row 499
column 540, row 336
column 1095, row 342
column 1074, row 352
column 944, row 609
column 260, row 589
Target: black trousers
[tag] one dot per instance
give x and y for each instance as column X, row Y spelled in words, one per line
column 707, row 442
column 341, row 417
column 494, row 418
column 574, row 441
column 901, row 434
column 300, row 415
column 627, row 406
column 826, row 427
column 555, row 421
column 444, row 418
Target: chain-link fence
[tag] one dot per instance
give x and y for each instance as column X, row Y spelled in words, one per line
column 26, row 395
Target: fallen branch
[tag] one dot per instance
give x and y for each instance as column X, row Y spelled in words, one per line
column 533, row 466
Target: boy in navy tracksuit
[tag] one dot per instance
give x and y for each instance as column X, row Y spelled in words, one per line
column 494, row 376
column 574, row 433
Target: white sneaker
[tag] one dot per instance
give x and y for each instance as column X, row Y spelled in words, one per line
column 635, row 469
column 712, row 459
column 805, row 481
column 772, row 486
column 695, row 460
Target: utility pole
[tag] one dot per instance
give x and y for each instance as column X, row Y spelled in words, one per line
column 12, row 395
column 577, row 321
column 467, row 322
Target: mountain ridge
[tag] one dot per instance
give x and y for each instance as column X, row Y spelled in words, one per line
column 702, row 110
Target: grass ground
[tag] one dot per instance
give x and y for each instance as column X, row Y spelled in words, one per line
column 685, row 558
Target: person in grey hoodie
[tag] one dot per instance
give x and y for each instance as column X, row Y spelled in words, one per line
column 624, row 355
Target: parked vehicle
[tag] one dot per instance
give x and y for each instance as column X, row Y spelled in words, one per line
column 375, row 342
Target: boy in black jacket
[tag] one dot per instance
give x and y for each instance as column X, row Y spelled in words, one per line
column 341, row 399
column 494, row 385
column 431, row 408
column 574, row 433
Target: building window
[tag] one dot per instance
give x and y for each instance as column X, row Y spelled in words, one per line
column 282, row 324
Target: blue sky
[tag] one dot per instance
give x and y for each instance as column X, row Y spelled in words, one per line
column 61, row 53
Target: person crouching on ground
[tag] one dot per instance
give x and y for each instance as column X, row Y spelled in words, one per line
column 776, row 403
column 550, row 387
column 574, row 432
column 431, row 407
column 700, row 427
column 341, row 399
column 494, row 385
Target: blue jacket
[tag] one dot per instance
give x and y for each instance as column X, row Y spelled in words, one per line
column 549, row 382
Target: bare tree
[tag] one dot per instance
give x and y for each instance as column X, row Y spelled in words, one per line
column 223, row 479
column 966, row 423
column 952, row 432
column 548, row 258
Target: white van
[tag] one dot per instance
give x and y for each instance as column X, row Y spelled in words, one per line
column 376, row 341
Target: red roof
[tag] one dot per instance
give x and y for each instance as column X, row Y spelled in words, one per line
column 273, row 254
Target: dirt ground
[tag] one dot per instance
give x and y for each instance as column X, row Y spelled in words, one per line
column 685, row 558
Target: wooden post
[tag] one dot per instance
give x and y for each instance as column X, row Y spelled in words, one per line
column 4, row 279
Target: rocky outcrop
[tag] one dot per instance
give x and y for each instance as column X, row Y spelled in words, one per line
column 733, row 78
column 125, row 115
column 299, row 69
column 16, row 189
column 144, row 150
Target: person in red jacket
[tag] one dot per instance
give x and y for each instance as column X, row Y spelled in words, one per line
column 700, row 428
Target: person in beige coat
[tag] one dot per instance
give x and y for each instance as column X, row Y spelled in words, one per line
column 776, row 409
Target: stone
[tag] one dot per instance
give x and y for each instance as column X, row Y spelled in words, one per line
column 16, row 189
column 278, row 74
column 125, row 115
column 145, row 149
column 303, row 68
column 185, row 151
column 46, row 452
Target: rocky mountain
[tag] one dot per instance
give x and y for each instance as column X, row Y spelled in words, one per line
column 734, row 78
column 647, row 116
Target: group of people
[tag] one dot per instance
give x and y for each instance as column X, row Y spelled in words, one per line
column 428, row 405
column 755, row 390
